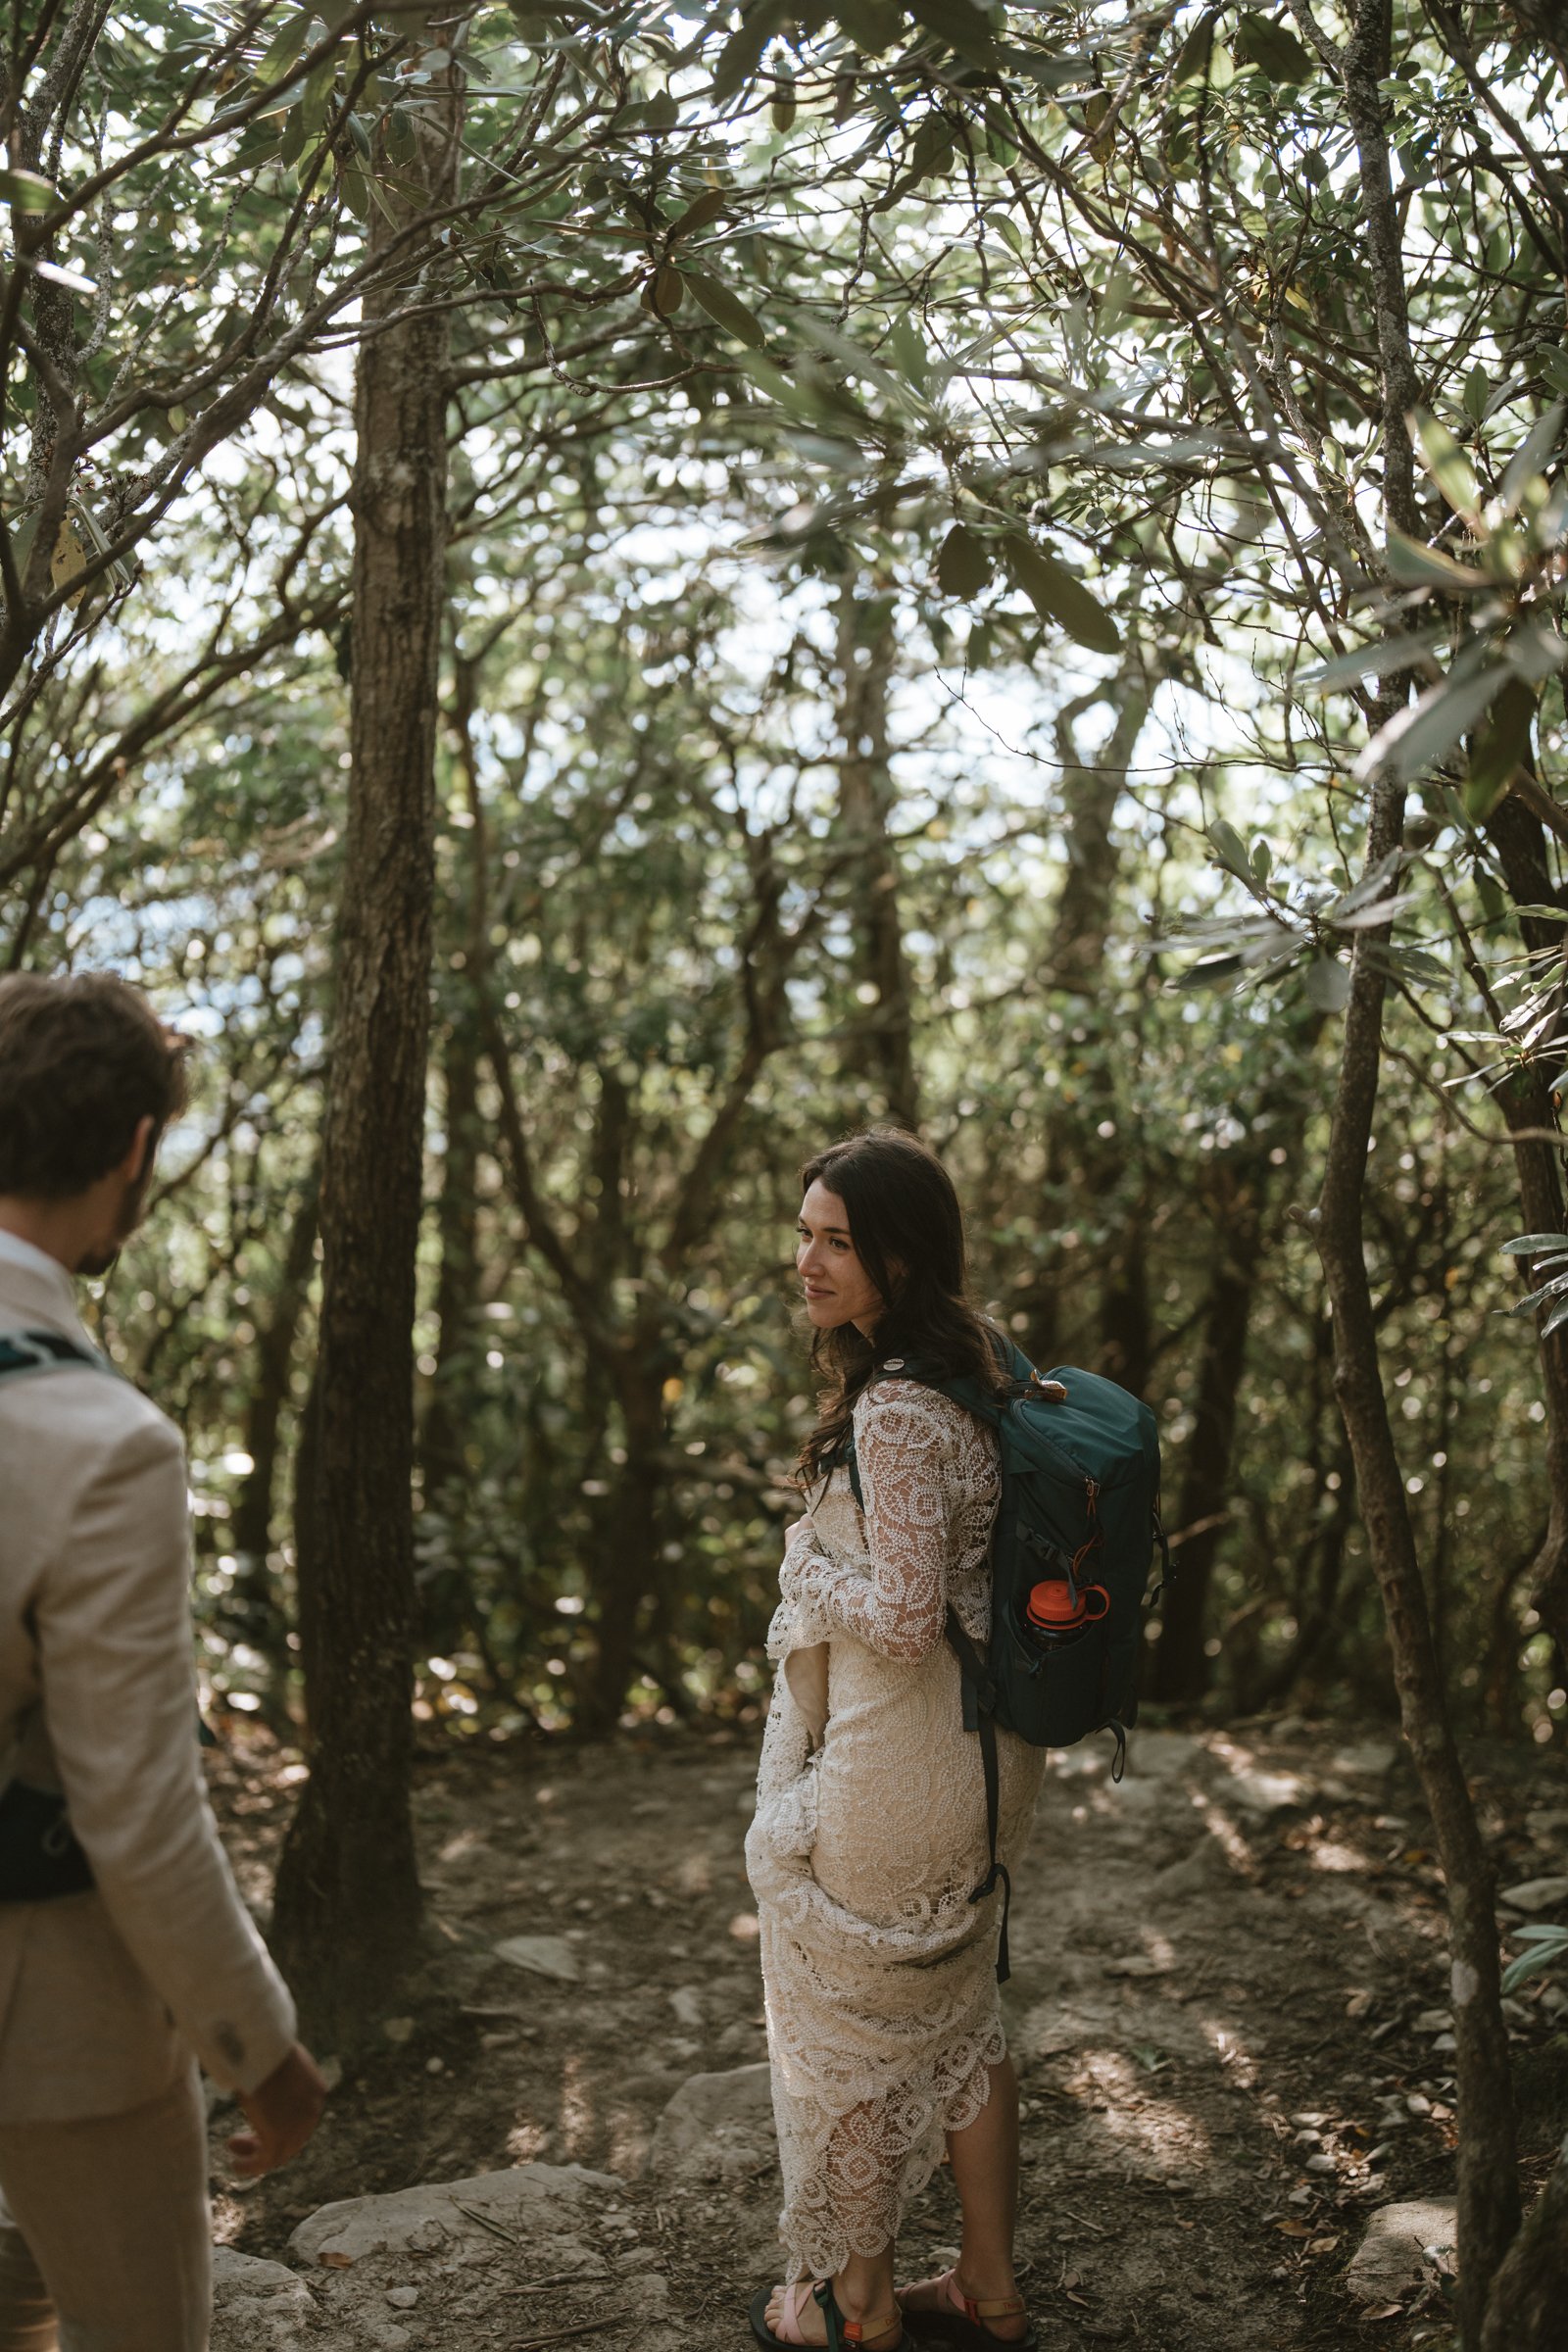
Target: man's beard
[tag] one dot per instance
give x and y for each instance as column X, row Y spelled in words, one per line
column 126, row 1219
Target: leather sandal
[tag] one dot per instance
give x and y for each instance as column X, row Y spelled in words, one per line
column 843, row 2336
column 960, row 2319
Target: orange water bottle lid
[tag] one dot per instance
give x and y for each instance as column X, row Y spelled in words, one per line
column 1053, row 1603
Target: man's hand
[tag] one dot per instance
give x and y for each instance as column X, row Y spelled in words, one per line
column 284, row 2111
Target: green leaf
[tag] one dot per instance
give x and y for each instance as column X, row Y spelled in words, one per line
column 961, row 26
column 1530, row 458
column 1327, row 984
column 1226, row 843
column 1426, row 730
column 963, row 563
column 783, row 108
column 1477, row 392
column 872, row 25
column 1548, row 1946
column 1374, row 660
column 726, row 310
column 904, row 340
column 742, row 53
column 285, row 51
column 1447, row 463
column 1057, row 595
column 28, row 192
column 1419, row 567
column 1191, row 64
column 1536, row 1245
column 665, row 291
column 706, row 208
column 1501, row 746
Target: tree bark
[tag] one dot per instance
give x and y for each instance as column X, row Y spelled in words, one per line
column 628, row 1569
column 457, row 1281
column 1488, row 2182
column 1489, row 2189
column 255, row 1613
column 1181, row 1670
column 1529, row 2293
column 1080, row 1163
column 457, row 1285
column 1525, row 1100
column 348, row 1901
column 881, row 1045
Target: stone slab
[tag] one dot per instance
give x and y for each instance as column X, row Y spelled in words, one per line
column 259, row 2306
column 1391, row 2259
column 541, row 1956
column 717, row 2126
column 531, row 2201
column 1536, row 1894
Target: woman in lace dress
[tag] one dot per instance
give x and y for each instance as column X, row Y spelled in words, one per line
column 869, row 1839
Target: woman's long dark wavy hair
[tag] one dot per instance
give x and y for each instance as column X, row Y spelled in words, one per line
column 908, row 1230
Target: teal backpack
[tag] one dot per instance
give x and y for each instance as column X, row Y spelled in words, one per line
column 1079, row 1505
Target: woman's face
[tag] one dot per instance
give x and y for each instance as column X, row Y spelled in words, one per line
column 838, row 1289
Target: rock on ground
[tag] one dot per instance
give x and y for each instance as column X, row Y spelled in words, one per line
column 541, row 1956
column 537, row 2249
column 530, row 2200
column 1536, row 1894
column 717, row 2127
column 259, row 2306
column 1388, row 2262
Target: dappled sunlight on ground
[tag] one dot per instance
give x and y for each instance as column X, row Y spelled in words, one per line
column 1226, row 2010
column 1159, row 2139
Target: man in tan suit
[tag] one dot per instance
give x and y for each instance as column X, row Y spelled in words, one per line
column 126, row 1953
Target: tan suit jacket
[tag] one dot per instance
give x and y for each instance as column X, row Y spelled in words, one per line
column 103, row 1995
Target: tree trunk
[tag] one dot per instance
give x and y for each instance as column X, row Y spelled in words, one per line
column 1181, row 1669
column 1489, row 2179
column 629, row 1568
column 1080, row 1163
column 255, row 1613
column 1526, row 1102
column 348, row 1891
column 456, row 1293
column 458, row 1283
column 1529, row 2293
column 881, row 1044
column 1489, row 2189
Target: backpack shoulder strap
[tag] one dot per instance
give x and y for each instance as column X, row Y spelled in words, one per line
column 24, row 1354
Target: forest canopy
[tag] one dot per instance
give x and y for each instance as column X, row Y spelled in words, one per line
column 908, row 663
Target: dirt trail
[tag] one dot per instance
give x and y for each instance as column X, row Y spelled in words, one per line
column 1228, row 1987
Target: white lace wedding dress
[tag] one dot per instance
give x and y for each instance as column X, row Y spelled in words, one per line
column 870, row 1829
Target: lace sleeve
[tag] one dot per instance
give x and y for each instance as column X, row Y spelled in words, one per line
column 903, row 1441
